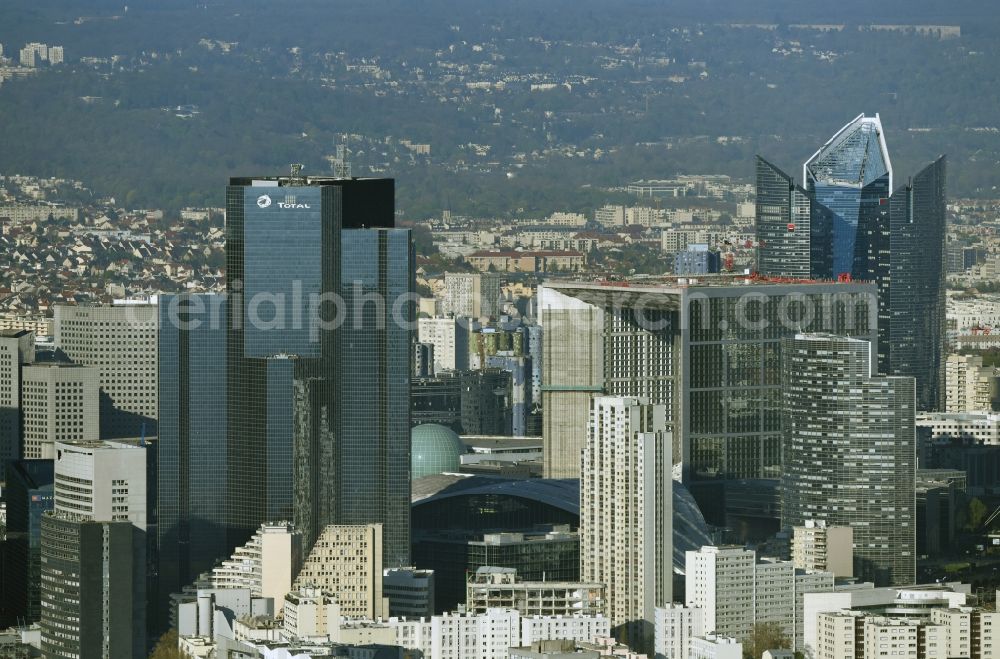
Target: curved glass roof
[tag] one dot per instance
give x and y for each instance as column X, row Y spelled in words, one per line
column 690, row 529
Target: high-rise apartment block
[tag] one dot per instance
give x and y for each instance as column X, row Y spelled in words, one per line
column 970, row 386
column 120, row 341
column 59, row 402
column 735, row 590
column 709, row 350
column 450, row 338
column 347, row 560
column 265, row 566
column 318, row 357
column 626, row 513
column 676, row 626
column 957, row 632
column 472, row 295
column 17, row 347
column 850, row 456
column 94, row 552
column 818, row 546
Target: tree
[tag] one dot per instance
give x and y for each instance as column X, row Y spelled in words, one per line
column 977, row 513
column 765, row 636
column 166, row 647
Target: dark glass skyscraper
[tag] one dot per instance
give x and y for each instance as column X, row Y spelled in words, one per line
column 896, row 241
column 317, row 371
column 794, row 231
column 192, row 450
column 852, row 176
column 28, row 493
column 912, row 325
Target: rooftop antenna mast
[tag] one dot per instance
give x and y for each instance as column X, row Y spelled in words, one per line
column 296, row 178
column 341, row 165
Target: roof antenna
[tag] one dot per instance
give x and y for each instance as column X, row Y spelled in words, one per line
column 296, row 177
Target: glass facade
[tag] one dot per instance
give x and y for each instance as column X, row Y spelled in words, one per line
column 733, row 397
column 912, row 317
column 191, row 447
column 852, row 176
column 318, row 374
column 28, row 492
column 794, row 231
column 377, row 281
column 850, row 452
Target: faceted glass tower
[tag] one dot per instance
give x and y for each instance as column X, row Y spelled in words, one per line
column 912, row 326
column 794, row 230
column 852, row 176
column 315, row 387
column 850, row 452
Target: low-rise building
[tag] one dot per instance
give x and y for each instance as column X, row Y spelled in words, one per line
column 497, row 587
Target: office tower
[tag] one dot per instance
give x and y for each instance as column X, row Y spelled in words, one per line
column 318, row 357
column 818, row 546
column 191, row 444
column 794, row 231
column 472, row 295
column 17, row 347
column 28, row 494
column 120, row 341
column 912, row 338
column 626, row 513
column 710, row 352
column 450, row 338
column 347, row 560
column 377, row 281
column 59, row 402
column 897, row 241
column 266, row 565
column 852, row 176
column 850, row 457
column 410, row 591
column 93, row 577
column 970, row 386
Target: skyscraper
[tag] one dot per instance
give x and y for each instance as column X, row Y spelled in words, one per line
column 912, row 337
column 317, row 364
column 93, row 551
column 710, row 352
column 59, row 402
column 120, row 341
column 895, row 239
column 28, row 493
column 852, row 176
column 626, row 513
column 794, row 230
column 192, row 449
column 17, row 347
column 850, row 456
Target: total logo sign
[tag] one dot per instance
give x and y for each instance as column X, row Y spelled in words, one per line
column 265, row 201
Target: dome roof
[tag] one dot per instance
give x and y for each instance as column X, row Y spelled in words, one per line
column 435, row 450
